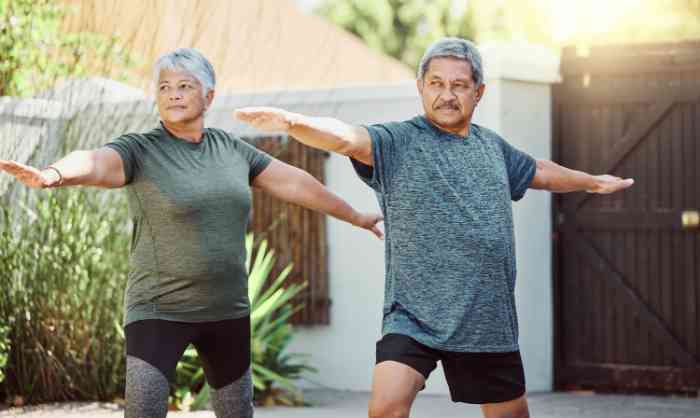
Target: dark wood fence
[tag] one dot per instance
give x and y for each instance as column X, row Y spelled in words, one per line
column 297, row 235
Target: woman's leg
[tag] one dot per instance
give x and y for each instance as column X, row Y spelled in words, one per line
column 234, row 400
column 153, row 348
column 147, row 390
column 224, row 348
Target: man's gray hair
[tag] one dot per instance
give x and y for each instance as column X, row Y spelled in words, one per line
column 191, row 61
column 455, row 48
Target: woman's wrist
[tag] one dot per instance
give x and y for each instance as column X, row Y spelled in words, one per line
column 51, row 177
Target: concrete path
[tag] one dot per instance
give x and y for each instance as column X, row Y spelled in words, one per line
column 332, row 404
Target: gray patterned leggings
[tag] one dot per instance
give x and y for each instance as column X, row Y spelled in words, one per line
column 147, row 391
column 154, row 347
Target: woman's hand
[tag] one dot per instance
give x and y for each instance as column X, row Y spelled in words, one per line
column 369, row 222
column 30, row 176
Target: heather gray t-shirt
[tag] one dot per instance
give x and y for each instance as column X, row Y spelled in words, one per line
column 450, row 256
column 190, row 205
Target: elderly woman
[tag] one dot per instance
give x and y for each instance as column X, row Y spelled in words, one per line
column 189, row 195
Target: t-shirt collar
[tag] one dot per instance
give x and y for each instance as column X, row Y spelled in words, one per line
column 423, row 121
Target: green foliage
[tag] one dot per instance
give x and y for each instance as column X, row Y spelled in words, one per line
column 36, row 50
column 402, row 29
column 274, row 371
column 63, row 266
column 4, row 348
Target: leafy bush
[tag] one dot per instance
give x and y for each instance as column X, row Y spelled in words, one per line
column 274, row 371
column 4, row 349
column 63, row 266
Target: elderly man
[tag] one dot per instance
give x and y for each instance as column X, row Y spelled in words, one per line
column 445, row 186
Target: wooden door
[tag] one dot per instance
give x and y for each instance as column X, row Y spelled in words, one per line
column 627, row 266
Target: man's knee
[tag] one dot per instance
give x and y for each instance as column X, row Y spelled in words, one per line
column 518, row 410
column 524, row 413
column 388, row 409
column 514, row 414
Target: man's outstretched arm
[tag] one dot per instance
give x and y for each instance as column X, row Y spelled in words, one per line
column 555, row 178
column 328, row 134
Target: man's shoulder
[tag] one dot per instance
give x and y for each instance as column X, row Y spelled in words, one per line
column 401, row 131
column 412, row 124
column 487, row 133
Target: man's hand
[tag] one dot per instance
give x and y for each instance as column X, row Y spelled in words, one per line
column 369, row 222
column 605, row 184
column 267, row 119
column 29, row 176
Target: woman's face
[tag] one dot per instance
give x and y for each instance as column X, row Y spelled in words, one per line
column 180, row 98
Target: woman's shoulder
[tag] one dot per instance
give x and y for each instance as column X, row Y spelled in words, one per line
column 229, row 139
column 141, row 138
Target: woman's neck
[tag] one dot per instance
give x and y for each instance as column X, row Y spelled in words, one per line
column 188, row 131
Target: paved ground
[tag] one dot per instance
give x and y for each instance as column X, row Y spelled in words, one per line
column 331, row 404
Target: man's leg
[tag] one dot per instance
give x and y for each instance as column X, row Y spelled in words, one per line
column 517, row 408
column 403, row 366
column 394, row 388
column 496, row 381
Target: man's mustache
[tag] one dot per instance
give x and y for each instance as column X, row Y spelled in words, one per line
column 447, row 105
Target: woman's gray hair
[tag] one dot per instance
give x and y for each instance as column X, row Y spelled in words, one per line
column 455, row 48
column 191, row 61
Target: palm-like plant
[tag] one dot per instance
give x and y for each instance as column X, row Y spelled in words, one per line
column 274, row 371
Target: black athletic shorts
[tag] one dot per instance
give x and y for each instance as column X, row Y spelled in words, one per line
column 476, row 378
column 223, row 346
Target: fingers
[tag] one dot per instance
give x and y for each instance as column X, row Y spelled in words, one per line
column 264, row 118
column 617, row 184
column 245, row 114
column 378, row 232
column 12, row 167
column 252, row 113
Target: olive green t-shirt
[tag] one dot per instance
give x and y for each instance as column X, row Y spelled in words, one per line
column 190, row 205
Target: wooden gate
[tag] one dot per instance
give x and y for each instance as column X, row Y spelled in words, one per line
column 627, row 266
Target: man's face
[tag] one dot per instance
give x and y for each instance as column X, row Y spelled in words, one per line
column 449, row 93
column 180, row 97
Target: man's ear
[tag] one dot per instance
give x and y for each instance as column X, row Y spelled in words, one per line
column 209, row 97
column 419, row 85
column 480, row 91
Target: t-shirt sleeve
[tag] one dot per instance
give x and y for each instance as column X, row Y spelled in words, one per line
column 521, row 169
column 387, row 143
column 127, row 148
column 257, row 160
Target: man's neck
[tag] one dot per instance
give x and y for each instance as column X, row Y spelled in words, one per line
column 459, row 130
column 187, row 131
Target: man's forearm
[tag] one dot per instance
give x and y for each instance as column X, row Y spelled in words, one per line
column 328, row 134
column 556, row 178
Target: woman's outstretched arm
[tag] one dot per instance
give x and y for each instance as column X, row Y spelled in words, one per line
column 102, row 167
column 294, row 185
